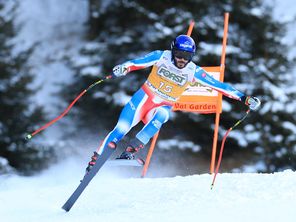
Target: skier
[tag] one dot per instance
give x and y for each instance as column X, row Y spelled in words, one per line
column 172, row 70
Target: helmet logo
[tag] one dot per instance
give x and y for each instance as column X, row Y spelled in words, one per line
column 186, row 45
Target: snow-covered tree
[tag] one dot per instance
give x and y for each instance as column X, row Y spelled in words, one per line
column 17, row 115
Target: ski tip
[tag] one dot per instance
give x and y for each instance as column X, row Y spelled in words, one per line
column 112, row 145
column 67, row 209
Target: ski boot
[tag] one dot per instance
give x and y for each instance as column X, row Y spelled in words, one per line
column 126, row 155
column 134, row 146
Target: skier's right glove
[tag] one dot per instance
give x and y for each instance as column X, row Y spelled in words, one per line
column 253, row 103
column 120, row 70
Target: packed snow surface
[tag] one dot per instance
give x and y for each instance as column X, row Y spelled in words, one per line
column 112, row 196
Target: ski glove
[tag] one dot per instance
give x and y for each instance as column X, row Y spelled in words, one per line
column 120, row 70
column 253, row 102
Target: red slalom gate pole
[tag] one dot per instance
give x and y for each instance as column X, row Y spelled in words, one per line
column 190, row 28
column 219, row 102
column 30, row 136
column 222, row 146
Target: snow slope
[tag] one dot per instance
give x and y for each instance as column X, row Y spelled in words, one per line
column 110, row 197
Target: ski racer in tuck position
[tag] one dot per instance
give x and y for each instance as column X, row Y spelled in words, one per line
column 172, row 71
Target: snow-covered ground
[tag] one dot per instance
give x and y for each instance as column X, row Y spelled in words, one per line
column 110, row 197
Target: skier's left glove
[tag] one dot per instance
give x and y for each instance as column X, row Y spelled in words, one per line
column 253, row 103
column 120, row 70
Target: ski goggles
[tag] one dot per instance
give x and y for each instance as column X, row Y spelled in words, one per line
column 182, row 54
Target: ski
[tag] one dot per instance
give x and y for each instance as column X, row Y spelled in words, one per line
column 123, row 162
column 89, row 176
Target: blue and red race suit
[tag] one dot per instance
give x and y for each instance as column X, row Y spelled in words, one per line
column 154, row 100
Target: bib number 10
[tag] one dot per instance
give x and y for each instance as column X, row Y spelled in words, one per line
column 165, row 87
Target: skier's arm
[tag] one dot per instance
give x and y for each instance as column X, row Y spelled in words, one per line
column 205, row 79
column 136, row 64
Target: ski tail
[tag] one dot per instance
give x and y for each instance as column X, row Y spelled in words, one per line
column 89, row 176
column 138, row 162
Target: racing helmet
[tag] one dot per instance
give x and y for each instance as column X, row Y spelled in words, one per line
column 183, row 46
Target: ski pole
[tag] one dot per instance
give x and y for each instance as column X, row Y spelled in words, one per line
column 29, row 136
column 222, row 145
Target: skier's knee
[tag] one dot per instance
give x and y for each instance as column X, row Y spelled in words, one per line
column 162, row 115
column 122, row 128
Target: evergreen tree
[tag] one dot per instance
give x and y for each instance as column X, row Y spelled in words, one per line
column 256, row 64
column 17, row 115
